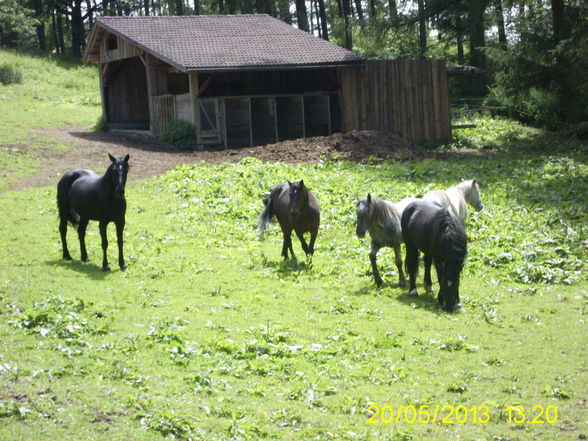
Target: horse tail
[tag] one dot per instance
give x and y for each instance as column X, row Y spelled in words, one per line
column 268, row 213
column 63, row 204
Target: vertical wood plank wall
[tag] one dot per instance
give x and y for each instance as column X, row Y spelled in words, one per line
column 163, row 111
column 410, row 97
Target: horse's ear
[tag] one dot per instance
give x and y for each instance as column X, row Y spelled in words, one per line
column 358, row 198
column 127, row 157
column 112, row 158
column 301, row 183
column 369, row 198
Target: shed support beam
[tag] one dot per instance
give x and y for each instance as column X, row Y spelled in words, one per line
column 102, row 71
column 194, row 101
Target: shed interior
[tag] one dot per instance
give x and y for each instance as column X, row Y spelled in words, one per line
column 127, row 101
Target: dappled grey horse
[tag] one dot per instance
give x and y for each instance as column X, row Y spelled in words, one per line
column 382, row 220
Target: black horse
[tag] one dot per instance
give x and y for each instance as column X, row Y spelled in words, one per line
column 432, row 229
column 296, row 209
column 82, row 196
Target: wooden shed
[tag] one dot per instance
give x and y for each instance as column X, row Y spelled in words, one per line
column 246, row 80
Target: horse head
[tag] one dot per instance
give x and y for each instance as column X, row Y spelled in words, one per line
column 118, row 175
column 298, row 198
column 363, row 215
column 473, row 196
column 449, row 286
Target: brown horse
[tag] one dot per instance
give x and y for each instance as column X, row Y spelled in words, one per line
column 296, row 209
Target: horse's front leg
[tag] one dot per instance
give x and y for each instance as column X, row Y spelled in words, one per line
column 441, row 297
column 373, row 254
column 120, row 226
column 428, row 282
column 103, row 225
column 412, row 266
column 82, row 236
column 313, row 234
column 398, row 261
column 63, row 232
column 287, row 243
column 305, row 247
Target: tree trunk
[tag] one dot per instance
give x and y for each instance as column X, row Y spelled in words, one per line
column 459, row 38
column 196, row 7
column 55, row 38
column 146, row 7
column 422, row 28
column 476, row 32
column 77, row 29
column 301, row 15
column 323, row 20
column 569, row 102
column 346, row 12
column 37, row 5
column 59, row 32
column 90, row 13
column 41, row 36
column 393, row 10
column 372, row 8
column 359, row 9
column 179, row 7
column 500, row 24
column 558, row 17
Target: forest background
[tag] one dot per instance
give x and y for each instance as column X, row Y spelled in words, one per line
column 537, row 49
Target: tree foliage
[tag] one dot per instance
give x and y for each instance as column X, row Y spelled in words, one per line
column 540, row 45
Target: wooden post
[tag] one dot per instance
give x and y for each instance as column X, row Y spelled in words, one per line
column 194, row 101
column 273, row 101
column 153, row 128
column 250, row 123
column 102, row 68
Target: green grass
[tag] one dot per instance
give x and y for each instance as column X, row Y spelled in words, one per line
column 210, row 335
column 53, row 93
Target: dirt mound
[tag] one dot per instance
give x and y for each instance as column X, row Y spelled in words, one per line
column 150, row 157
column 353, row 146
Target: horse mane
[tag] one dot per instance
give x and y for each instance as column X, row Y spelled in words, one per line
column 466, row 188
column 453, row 238
column 382, row 211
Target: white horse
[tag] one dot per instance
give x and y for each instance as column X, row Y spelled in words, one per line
column 456, row 198
column 400, row 206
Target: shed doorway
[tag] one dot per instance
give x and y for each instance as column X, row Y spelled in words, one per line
column 127, row 100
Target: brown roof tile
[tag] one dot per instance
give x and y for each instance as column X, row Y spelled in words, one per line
column 209, row 42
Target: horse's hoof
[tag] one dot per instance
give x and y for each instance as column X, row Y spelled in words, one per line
column 428, row 288
column 106, row 268
column 413, row 293
column 67, row 257
column 123, row 267
column 379, row 283
column 402, row 283
column 86, row 260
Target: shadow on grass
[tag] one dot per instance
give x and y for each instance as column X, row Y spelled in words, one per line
column 426, row 302
column 290, row 268
column 129, row 140
column 91, row 270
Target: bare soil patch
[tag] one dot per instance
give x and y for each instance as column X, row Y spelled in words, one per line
column 150, row 157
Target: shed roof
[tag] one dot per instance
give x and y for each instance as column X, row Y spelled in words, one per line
column 221, row 42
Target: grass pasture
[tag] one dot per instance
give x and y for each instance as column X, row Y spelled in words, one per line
column 210, row 335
